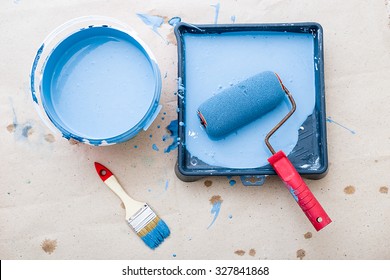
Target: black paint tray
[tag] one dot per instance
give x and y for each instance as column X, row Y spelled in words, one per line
column 309, row 155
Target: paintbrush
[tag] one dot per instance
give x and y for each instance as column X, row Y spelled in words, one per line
column 141, row 218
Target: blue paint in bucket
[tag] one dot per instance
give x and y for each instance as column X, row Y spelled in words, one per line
column 100, row 86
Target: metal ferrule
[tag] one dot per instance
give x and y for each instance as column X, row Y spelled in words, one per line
column 143, row 217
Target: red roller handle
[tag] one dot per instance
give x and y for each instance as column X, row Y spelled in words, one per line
column 299, row 190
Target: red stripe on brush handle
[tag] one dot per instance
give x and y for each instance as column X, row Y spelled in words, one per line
column 103, row 172
column 299, row 190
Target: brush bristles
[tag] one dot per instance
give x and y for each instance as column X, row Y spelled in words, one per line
column 154, row 233
column 149, row 227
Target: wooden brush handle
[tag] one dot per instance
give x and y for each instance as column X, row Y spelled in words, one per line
column 131, row 205
column 299, row 190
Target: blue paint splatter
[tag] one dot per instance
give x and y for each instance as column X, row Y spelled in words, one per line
column 233, row 19
column 216, row 6
column 230, row 216
column 158, row 126
column 166, row 185
column 174, row 255
column 216, row 201
column 21, row 131
column 154, row 22
column 292, row 191
column 330, row 120
column 166, row 75
column 154, row 147
column 26, row 129
column 173, row 129
column 135, row 147
column 232, row 182
column 175, row 20
column 151, row 135
column 149, row 190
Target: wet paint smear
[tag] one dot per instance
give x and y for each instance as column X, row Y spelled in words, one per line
column 154, row 147
column 49, row 245
column 173, row 130
column 330, row 120
column 216, row 6
column 216, row 201
column 154, row 22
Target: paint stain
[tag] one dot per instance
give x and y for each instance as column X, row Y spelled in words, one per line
column 308, row 235
column 349, row 189
column 11, row 128
column 252, row 252
column 123, row 205
column 49, row 138
column 230, row 216
column 154, row 147
column 330, row 120
column 21, row 131
column 73, row 141
column 153, row 22
column 233, row 18
column 216, row 201
column 301, row 254
column 232, row 182
column 49, row 245
column 216, row 7
column 166, row 185
column 208, row 183
column 172, row 39
column 239, row 252
column 384, row 190
column 174, row 255
column 27, row 130
column 172, row 128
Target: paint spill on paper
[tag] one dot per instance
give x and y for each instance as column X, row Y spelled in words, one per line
column 216, row 201
column 172, row 128
column 330, row 120
column 216, row 7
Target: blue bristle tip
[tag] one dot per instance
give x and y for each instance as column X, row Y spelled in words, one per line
column 155, row 237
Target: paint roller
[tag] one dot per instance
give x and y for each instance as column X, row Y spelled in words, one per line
column 247, row 101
